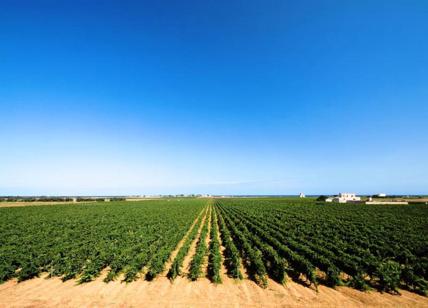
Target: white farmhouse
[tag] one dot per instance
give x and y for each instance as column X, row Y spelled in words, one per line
column 302, row 195
column 346, row 197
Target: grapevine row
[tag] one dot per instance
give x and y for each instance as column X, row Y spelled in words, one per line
column 344, row 239
column 232, row 258
column 276, row 266
column 195, row 270
column 214, row 265
column 177, row 264
column 251, row 255
column 295, row 261
column 358, row 262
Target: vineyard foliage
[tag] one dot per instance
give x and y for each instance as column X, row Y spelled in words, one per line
column 215, row 259
column 383, row 247
column 80, row 241
column 201, row 250
column 176, row 267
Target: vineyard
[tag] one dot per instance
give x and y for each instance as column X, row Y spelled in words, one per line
column 78, row 242
column 263, row 239
column 379, row 247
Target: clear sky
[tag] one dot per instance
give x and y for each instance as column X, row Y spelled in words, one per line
column 223, row 97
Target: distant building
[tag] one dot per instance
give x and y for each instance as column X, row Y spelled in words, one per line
column 203, row 196
column 302, row 195
column 346, row 197
column 381, row 195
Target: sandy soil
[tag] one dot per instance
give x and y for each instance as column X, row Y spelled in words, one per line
column 41, row 292
column 223, row 271
column 188, row 258
column 207, row 242
column 37, row 203
column 180, row 244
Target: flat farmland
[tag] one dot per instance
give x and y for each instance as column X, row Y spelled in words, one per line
column 217, row 252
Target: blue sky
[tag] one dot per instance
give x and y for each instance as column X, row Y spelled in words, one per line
column 223, row 97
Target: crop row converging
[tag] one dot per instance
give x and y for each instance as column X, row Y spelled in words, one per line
column 379, row 247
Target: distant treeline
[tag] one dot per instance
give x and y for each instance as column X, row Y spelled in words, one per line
column 57, row 199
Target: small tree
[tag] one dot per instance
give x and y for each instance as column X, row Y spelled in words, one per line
column 322, row 198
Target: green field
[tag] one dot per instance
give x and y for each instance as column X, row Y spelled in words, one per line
column 366, row 247
column 384, row 246
column 81, row 240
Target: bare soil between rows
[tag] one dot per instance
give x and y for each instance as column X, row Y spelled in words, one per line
column 52, row 292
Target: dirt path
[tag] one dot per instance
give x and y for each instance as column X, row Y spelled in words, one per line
column 38, row 203
column 192, row 250
column 180, row 243
column 40, row 292
column 223, row 270
column 207, row 242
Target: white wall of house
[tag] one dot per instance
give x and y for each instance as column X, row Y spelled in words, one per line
column 346, row 197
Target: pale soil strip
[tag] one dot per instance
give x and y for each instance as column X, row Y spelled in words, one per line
column 192, row 250
column 179, row 245
column 204, row 268
column 39, row 203
column 223, row 270
column 39, row 292
column 243, row 269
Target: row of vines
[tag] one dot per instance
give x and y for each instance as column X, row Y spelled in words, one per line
column 364, row 247
column 127, row 239
column 376, row 247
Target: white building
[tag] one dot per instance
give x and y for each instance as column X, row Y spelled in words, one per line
column 346, row 197
column 343, row 198
column 381, row 195
column 302, row 195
